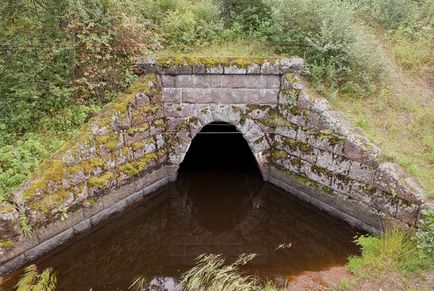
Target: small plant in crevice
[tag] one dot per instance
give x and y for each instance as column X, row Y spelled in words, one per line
column 26, row 229
column 32, row 280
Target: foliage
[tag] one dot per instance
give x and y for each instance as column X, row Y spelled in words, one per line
column 31, row 280
column 424, row 237
column 211, row 273
column 184, row 24
column 252, row 18
column 392, row 14
column 323, row 33
column 62, row 59
column 394, row 251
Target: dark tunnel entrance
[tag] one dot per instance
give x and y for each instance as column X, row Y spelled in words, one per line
column 220, row 176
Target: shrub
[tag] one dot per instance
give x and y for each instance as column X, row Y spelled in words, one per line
column 252, row 18
column 323, row 33
column 424, row 237
column 184, row 24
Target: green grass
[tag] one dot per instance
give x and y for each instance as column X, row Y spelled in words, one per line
column 240, row 47
column 391, row 252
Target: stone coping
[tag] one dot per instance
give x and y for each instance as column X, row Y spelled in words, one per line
column 202, row 65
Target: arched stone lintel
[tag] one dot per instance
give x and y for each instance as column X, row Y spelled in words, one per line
column 250, row 134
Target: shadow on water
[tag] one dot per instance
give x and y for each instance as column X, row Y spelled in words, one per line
column 219, row 204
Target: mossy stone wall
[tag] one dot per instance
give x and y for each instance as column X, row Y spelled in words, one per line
column 138, row 142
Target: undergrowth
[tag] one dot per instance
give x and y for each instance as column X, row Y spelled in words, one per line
column 397, row 251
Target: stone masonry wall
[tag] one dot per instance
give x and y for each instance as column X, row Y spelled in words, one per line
column 138, row 142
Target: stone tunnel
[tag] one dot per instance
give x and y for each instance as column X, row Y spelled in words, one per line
column 136, row 144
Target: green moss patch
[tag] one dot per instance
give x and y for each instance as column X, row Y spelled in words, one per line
column 6, row 243
column 101, row 181
column 212, row 61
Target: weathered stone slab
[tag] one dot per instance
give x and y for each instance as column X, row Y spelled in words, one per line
column 222, row 81
column 361, row 172
column 225, row 96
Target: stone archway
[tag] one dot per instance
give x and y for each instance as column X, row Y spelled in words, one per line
column 184, row 129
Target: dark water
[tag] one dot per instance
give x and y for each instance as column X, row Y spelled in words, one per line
column 219, row 205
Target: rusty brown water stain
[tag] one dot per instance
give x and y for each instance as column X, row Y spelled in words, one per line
column 218, row 205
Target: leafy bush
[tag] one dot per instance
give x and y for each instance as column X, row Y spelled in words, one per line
column 389, row 13
column 252, row 18
column 322, row 32
column 184, row 24
column 424, row 237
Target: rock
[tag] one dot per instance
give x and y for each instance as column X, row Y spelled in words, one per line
column 9, row 221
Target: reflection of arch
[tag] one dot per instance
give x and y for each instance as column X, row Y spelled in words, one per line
column 185, row 130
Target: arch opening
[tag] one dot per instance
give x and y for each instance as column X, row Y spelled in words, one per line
column 219, row 176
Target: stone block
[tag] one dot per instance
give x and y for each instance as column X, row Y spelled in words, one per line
column 168, row 81
column 234, row 70
column 198, row 69
column 293, row 64
column 215, row 70
column 254, row 69
column 341, row 165
column 386, row 178
column 9, row 221
column 384, row 202
column 81, row 227
column 170, row 70
column 185, row 69
column 288, row 131
column 316, row 173
column 49, row 244
column 268, row 68
column 308, row 153
column 58, row 226
column 361, row 192
column 320, row 105
column 303, row 101
column 180, row 110
column 13, row 264
column 361, row 172
column 253, row 134
column 171, row 95
column 204, row 113
column 260, row 145
column 325, row 160
column 358, row 148
column 341, row 183
column 409, row 190
column 407, row 213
